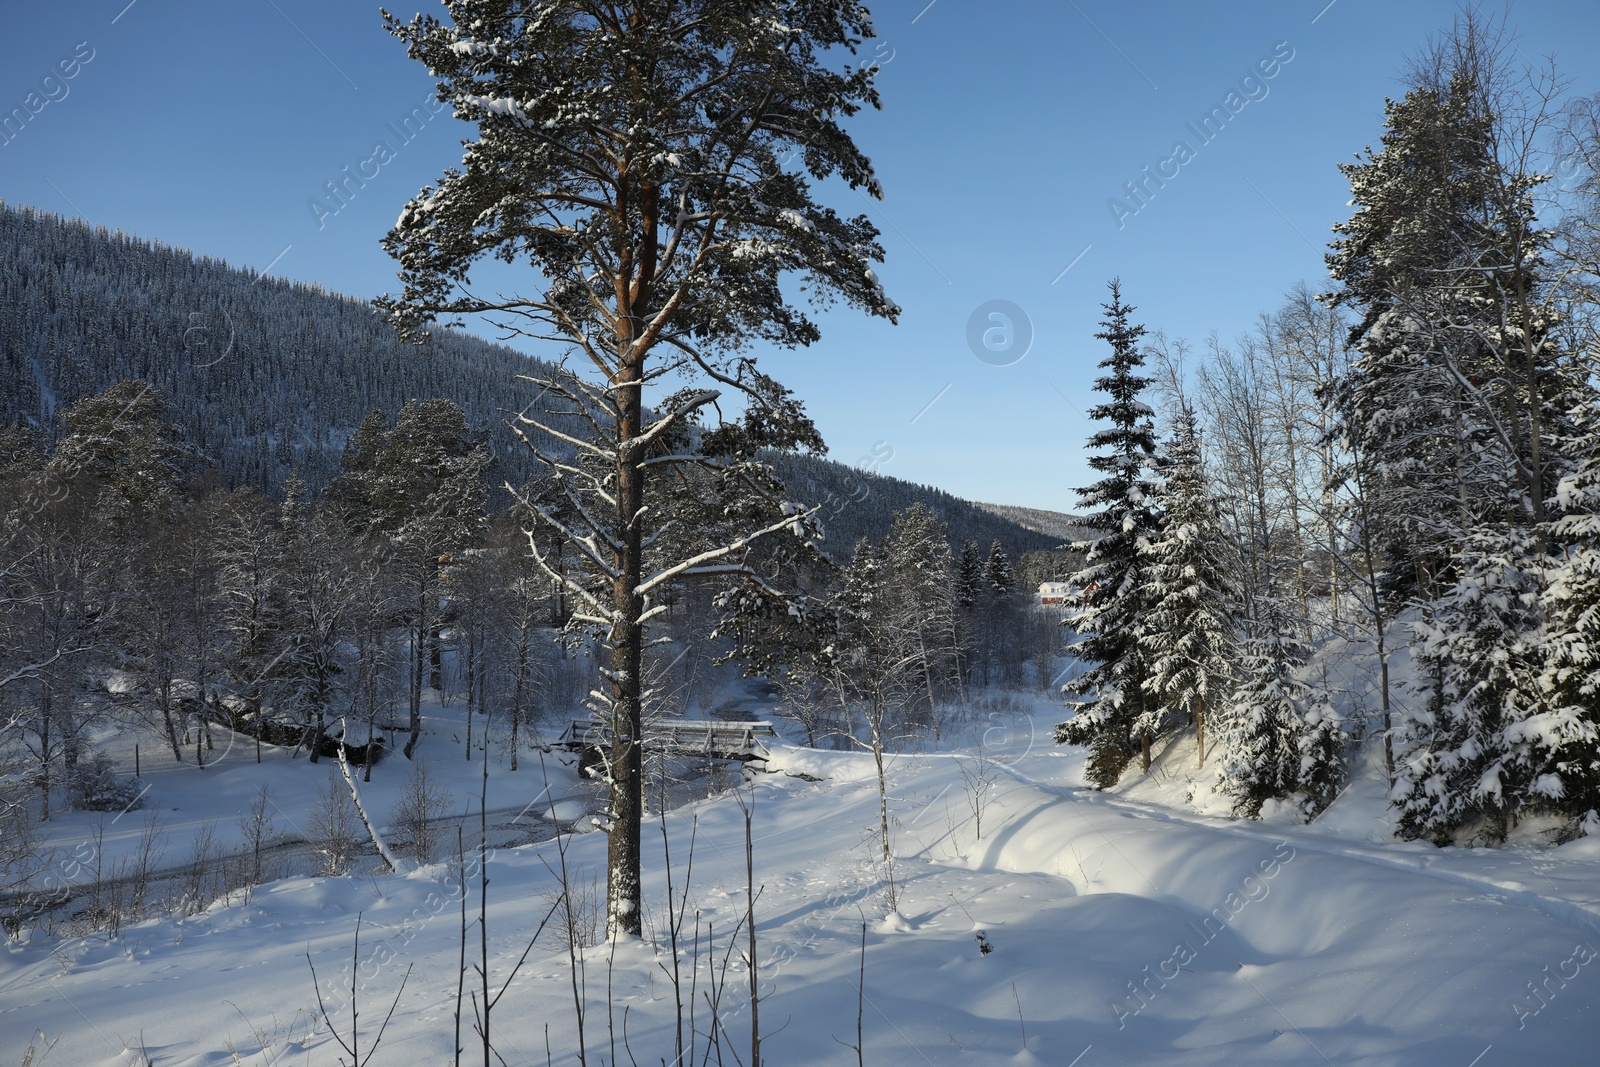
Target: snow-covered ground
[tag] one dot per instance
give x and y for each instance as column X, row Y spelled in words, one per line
column 1123, row 928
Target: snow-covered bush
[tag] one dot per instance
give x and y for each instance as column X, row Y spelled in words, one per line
column 1279, row 737
column 1470, row 758
column 92, row 785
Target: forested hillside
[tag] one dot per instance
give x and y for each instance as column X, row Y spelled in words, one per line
column 265, row 376
column 1052, row 524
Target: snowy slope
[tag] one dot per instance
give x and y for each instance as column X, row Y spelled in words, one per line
column 1123, row 932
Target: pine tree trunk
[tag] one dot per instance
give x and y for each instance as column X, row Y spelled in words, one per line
column 623, row 896
column 1200, row 728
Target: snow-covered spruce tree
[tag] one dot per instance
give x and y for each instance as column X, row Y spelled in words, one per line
column 1278, row 735
column 1567, row 730
column 1111, row 614
column 1190, row 628
column 1468, row 758
column 998, row 577
column 637, row 158
column 996, row 614
column 968, row 589
column 969, row 576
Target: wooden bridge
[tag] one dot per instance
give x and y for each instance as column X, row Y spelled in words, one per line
column 706, row 739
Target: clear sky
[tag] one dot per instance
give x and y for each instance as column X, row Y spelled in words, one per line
column 1008, row 127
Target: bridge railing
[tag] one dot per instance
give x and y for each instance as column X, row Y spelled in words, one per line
column 712, row 738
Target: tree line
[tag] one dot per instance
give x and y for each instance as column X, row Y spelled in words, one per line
column 1406, row 462
column 137, row 590
column 134, row 589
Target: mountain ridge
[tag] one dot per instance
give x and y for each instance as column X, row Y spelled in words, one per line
column 267, row 375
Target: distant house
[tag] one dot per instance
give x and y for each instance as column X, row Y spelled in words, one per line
column 1054, row 592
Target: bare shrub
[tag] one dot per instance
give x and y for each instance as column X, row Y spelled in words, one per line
column 138, row 872
column 978, row 774
column 201, row 880
column 579, row 910
column 258, row 837
column 335, row 829
column 418, row 814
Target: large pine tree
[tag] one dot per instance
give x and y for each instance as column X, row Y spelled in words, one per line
column 650, row 163
column 1114, row 600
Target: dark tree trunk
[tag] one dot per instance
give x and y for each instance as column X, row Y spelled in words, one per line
column 627, row 637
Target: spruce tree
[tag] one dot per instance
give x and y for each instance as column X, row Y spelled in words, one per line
column 969, row 576
column 1278, row 736
column 997, row 573
column 1190, row 630
column 1469, row 756
column 1110, row 617
column 1567, row 731
column 1459, row 400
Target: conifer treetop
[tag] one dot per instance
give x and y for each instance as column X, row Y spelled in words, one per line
column 638, row 158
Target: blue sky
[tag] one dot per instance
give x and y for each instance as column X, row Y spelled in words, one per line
column 1007, row 130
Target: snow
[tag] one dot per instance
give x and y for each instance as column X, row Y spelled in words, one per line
column 1134, row 926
